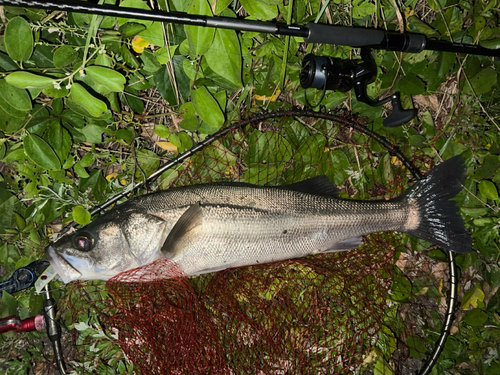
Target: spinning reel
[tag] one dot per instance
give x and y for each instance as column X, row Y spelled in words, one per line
column 327, row 73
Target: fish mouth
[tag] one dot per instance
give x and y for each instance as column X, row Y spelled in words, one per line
column 61, row 265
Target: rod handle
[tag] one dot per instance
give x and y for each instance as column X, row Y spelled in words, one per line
column 343, row 35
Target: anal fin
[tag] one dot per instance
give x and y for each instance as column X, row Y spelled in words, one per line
column 348, row 244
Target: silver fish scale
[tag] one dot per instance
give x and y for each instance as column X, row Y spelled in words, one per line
column 245, row 225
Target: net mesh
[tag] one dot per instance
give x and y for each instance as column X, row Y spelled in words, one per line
column 307, row 316
column 345, row 312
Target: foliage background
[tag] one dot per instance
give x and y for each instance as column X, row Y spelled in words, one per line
column 90, row 104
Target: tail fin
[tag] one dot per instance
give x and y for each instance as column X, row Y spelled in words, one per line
column 438, row 219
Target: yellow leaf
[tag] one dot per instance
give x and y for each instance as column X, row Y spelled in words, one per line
column 229, row 172
column 138, row 44
column 395, row 161
column 409, row 12
column 472, row 297
column 270, row 98
column 169, row 146
column 110, row 176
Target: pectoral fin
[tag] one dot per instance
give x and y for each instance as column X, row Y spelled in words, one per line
column 185, row 232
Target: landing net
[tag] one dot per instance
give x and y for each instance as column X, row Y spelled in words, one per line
column 362, row 311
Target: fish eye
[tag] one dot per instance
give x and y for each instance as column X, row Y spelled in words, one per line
column 83, row 241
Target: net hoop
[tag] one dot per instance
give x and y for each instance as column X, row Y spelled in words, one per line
column 393, row 150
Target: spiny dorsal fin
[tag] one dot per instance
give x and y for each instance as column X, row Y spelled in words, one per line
column 184, row 233
column 319, row 185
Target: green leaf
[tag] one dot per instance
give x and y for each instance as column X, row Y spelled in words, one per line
column 26, row 80
column 40, row 153
column 488, row 189
column 93, row 133
column 80, row 171
column 18, row 39
column 125, row 134
column 417, row 26
column 129, row 57
column 150, row 61
column 148, row 162
column 401, row 287
column 6, row 63
column 10, row 123
column 15, row 97
column 162, row 131
column 189, row 122
column 134, row 4
column 221, row 5
column 108, row 77
column 213, row 160
column 82, row 97
column 488, row 167
column 476, row 317
column 64, row 55
column 131, row 29
column 154, row 34
column 164, row 54
column 224, row 56
column 417, row 140
column 482, row 82
column 165, row 86
column 58, row 138
column 35, row 302
column 186, row 140
column 96, row 183
column 474, row 212
column 81, row 215
column 416, row 345
column 259, row 9
column 87, row 160
column 8, row 305
column 410, row 84
column 20, row 222
column 493, row 276
column 207, row 107
column 362, row 9
column 55, row 92
column 491, row 43
column 199, row 38
column 445, row 63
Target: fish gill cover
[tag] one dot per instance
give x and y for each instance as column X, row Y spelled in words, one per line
column 348, row 312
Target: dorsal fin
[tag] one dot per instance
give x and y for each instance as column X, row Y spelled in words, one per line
column 319, row 185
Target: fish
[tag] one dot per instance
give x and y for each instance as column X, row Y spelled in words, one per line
column 211, row 227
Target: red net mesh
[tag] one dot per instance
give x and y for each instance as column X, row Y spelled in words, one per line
column 305, row 316
column 318, row 315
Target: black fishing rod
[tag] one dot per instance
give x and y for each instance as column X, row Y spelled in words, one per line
column 320, row 72
column 313, row 33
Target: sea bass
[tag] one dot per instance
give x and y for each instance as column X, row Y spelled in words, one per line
column 211, row 227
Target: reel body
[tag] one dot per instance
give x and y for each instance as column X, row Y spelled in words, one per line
column 328, row 73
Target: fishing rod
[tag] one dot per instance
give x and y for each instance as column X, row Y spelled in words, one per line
column 320, row 72
column 313, row 33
